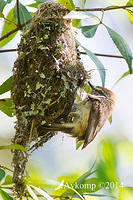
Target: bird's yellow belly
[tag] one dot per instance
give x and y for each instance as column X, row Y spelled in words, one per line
column 81, row 124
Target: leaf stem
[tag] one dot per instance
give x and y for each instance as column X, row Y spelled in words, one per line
column 18, row 14
column 14, row 30
column 7, row 188
column 8, row 50
column 105, row 55
column 4, row 167
column 97, row 54
column 104, row 9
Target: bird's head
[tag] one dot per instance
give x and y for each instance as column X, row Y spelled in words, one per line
column 101, row 91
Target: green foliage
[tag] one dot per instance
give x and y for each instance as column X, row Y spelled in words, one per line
column 124, row 75
column 24, row 14
column 122, row 46
column 2, row 174
column 67, row 3
column 14, row 146
column 32, row 193
column 9, row 25
column 3, row 3
column 6, row 86
column 110, row 119
column 130, row 15
column 89, row 31
column 34, row 5
column 126, row 193
column 6, row 106
column 97, row 62
column 4, row 195
column 8, row 180
column 76, row 23
column 106, row 165
column 79, row 144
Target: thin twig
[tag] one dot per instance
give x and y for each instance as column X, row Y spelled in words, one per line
column 14, row 30
column 6, row 188
column 104, row 9
column 18, row 14
column 8, row 50
column 104, row 55
column 97, row 54
column 4, row 167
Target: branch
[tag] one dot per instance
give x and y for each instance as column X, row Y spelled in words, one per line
column 18, row 14
column 97, row 54
column 14, row 30
column 104, row 55
column 8, row 50
column 105, row 9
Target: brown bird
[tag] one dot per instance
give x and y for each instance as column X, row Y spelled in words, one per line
column 88, row 116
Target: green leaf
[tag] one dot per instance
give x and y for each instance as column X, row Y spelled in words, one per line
column 24, row 14
column 6, row 106
column 110, row 119
column 86, row 174
column 89, row 31
column 67, row 3
column 42, row 193
column 87, row 88
column 33, row 195
column 97, row 62
column 8, row 180
column 107, row 163
column 13, row 146
column 6, row 86
column 4, row 195
column 79, row 181
column 79, row 144
column 130, row 2
column 130, row 15
column 90, row 185
column 79, row 15
column 76, row 23
column 100, row 195
column 2, row 6
column 2, row 174
column 34, row 5
column 122, row 46
column 8, row 26
column 9, row 1
column 124, row 75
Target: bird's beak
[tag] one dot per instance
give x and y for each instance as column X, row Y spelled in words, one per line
column 92, row 87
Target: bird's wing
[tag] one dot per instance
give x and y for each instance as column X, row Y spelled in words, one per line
column 92, row 125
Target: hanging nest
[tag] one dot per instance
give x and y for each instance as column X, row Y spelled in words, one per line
column 47, row 74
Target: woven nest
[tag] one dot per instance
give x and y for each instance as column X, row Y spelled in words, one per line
column 47, row 71
column 47, row 74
